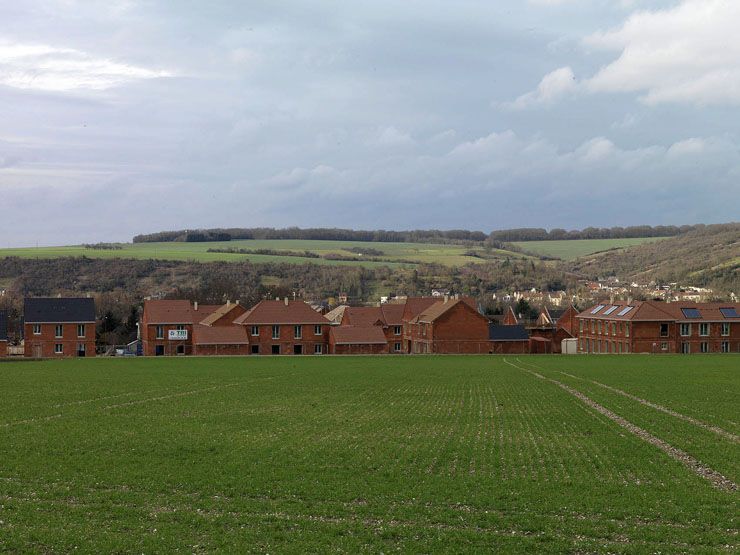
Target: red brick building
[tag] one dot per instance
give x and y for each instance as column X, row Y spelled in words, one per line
column 659, row 327
column 166, row 326
column 449, row 326
column 285, row 328
column 58, row 328
column 509, row 339
column 550, row 328
column 387, row 317
column 3, row 333
column 362, row 340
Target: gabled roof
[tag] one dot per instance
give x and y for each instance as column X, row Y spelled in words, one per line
column 278, row 312
column 336, row 315
column 393, row 313
column 515, row 332
column 222, row 312
column 220, row 335
column 58, row 311
column 660, row 311
column 363, row 316
column 175, row 312
column 416, row 305
column 358, row 335
column 510, row 318
column 442, row 307
column 3, row 325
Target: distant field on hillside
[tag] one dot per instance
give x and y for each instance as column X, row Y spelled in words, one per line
column 394, row 254
column 570, row 250
column 368, row 454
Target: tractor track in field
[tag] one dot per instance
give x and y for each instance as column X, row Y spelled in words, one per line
column 718, row 480
column 715, row 429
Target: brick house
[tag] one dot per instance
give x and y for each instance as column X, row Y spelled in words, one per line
column 659, row 327
column 285, row 328
column 56, row 327
column 550, row 328
column 449, row 326
column 388, row 317
column 361, row 340
column 3, row 333
column 177, row 327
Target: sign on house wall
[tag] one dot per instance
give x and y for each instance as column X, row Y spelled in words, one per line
column 178, row 335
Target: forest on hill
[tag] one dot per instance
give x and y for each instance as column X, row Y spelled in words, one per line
column 461, row 236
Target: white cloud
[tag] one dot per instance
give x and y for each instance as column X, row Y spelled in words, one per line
column 391, row 137
column 553, row 86
column 687, row 54
column 48, row 68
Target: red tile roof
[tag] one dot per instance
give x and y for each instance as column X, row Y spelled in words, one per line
column 659, row 311
column 416, row 305
column 358, row 335
column 363, row 316
column 175, row 312
column 393, row 313
column 277, row 312
column 442, row 307
column 221, row 312
column 219, row 335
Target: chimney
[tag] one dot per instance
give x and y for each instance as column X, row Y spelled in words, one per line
column 228, row 303
column 237, row 301
column 195, row 306
column 457, row 296
column 286, row 301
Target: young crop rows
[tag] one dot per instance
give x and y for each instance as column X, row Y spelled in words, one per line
column 417, row 454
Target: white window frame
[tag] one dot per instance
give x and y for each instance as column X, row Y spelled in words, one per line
column 159, row 332
column 704, row 346
column 684, row 327
column 255, row 331
column 37, row 329
column 397, row 347
column 704, row 329
column 81, row 327
column 725, row 329
column 318, row 349
column 318, row 329
column 664, row 346
column 667, row 329
column 298, row 331
column 58, row 348
column 58, row 331
column 276, row 332
column 397, row 330
column 725, row 347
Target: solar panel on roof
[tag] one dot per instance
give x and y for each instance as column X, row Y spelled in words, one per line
column 610, row 310
column 625, row 310
column 729, row 312
column 595, row 310
column 691, row 312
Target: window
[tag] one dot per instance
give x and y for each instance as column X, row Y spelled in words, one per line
column 58, row 330
column 180, row 327
column 704, row 347
column 317, row 350
column 80, row 330
column 725, row 346
column 598, row 327
column 664, row 346
column 81, row 350
column 396, row 330
column 692, row 313
column 275, row 333
column 614, row 328
column 625, row 310
column 664, row 330
column 255, row 332
column 595, row 310
column 298, row 332
column 255, row 349
column 685, row 330
column 725, row 329
column 592, row 326
column 704, row 329
column 160, row 332
column 580, row 326
column 276, row 349
column 317, row 330
column 159, row 350
column 297, row 349
column 729, row 312
column 626, row 347
column 181, row 349
column 609, row 310
column 397, row 347
column 37, row 329
column 58, row 349
column 685, row 348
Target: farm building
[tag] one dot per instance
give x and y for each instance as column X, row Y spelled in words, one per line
column 508, row 339
column 57, row 327
column 360, row 340
column 177, row 327
column 285, row 328
column 3, row 333
column 659, row 327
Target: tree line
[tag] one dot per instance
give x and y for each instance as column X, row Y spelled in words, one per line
column 558, row 234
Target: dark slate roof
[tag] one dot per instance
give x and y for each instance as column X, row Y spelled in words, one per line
column 508, row 333
column 3, row 326
column 54, row 311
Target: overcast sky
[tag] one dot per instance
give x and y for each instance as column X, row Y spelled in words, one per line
column 486, row 114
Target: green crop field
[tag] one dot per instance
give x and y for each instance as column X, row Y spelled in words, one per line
column 570, row 250
column 375, row 454
column 370, row 454
column 394, row 254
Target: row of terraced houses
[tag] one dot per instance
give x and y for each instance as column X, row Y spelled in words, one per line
column 55, row 327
